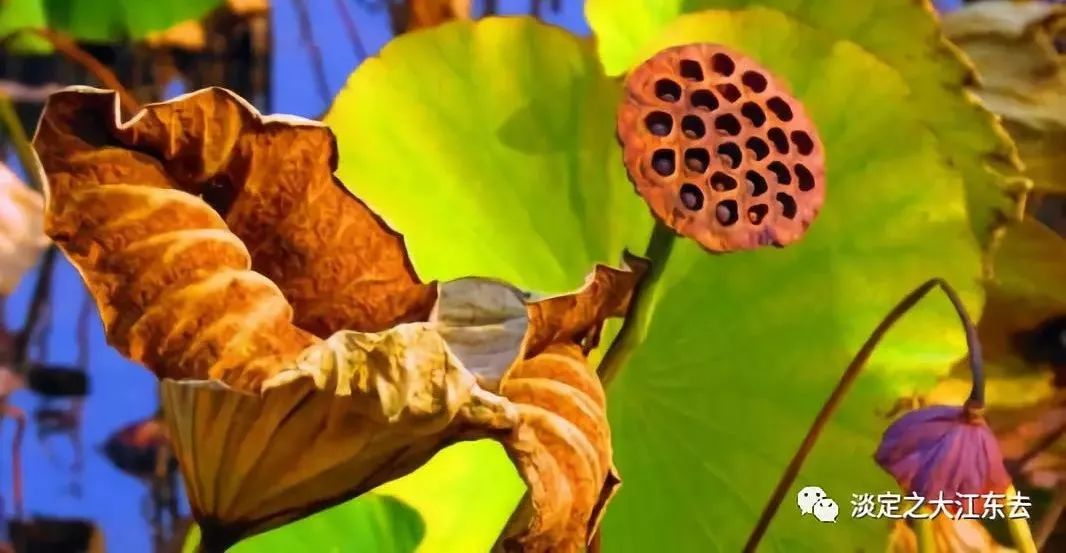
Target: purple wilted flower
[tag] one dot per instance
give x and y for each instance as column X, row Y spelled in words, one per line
column 943, row 449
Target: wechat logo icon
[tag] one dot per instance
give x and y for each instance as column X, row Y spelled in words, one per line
column 813, row 500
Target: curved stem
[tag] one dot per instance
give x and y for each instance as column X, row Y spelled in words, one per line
column 977, row 392
column 307, row 36
column 38, row 308
column 70, row 49
column 10, row 411
column 351, row 29
column 635, row 326
column 11, row 124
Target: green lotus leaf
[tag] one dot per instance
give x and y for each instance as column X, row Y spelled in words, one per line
column 96, row 20
column 375, row 522
column 23, row 14
column 490, row 145
column 729, row 393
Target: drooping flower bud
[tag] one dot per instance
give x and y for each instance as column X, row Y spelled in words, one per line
column 945, row 450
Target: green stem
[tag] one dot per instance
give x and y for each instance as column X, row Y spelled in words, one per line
column 923, row 528
column 1020, row 533
column 977, row 393
column 635, row 326
column 23, row 148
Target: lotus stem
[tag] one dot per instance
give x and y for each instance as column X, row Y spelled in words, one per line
column 16, row 457
column 1020, row 533
column 23, row 148
column 70, row 49
column 635, row 326
column 975, row 401
column 923, row 528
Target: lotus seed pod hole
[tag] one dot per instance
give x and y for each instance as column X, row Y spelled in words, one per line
column 720, row 150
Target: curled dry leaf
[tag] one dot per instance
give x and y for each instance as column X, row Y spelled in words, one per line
column 302, row 360
column 1016, row 49
column 21, row 229
column 202, row 199
column 720, row 150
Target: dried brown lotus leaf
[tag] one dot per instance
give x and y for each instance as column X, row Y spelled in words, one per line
column 1014, row 48
column 350, row 413
column 302, row 361
column 359, row 409
column 271, row 180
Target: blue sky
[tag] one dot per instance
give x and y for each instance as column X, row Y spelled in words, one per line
column 122, row 392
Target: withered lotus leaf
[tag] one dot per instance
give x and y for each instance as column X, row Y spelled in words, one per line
column 302, row 361
column 720, row 150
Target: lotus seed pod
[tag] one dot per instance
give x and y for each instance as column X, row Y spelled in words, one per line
column 720, row 150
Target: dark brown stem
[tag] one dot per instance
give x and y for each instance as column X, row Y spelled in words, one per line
column 15, row 413
column 70, row 49
column 307, row 36
column 82, row 331
column 38, row 306
column 975, row 401
column 351, row 29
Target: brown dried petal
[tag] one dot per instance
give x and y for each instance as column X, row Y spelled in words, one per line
column 562, row 444
column 720, row 150
column 562, row 448
column 186, row 221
